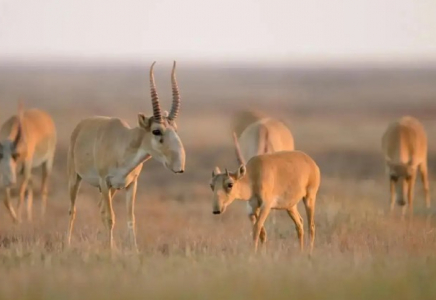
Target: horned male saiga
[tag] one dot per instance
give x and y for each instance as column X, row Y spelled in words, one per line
column 107, row 153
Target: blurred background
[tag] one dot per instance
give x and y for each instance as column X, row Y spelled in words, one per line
column 336, row 72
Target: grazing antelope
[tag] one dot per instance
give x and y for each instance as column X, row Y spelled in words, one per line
column 27, row 141
column 404, row 146
column 277, row 180
column 264, row 135
column 108, row 154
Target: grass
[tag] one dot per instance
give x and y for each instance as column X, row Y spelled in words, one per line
column 188, row 253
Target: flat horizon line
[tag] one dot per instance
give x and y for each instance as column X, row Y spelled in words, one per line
column 74, row 61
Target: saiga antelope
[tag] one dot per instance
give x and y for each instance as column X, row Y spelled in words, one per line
column 106, row 153
column 404, row 145
column 27, row 141
column 277, row 180
column 263, row 135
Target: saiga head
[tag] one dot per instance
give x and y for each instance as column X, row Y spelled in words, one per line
column 166, row 145
column 12, row 151
column 401, row 174
column 226, row 186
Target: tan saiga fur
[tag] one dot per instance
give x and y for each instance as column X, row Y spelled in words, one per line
column 266, row 135
column 270, row 181
column 404, row 145
column 106, row 153
column 27, row 141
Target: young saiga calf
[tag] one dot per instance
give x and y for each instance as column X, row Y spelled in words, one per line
column 277, row 180
column 27, row 141
column 106, row 153
column 404, row 145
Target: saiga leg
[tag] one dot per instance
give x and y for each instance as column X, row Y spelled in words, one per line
column 253, row 218
column 29, row 199
column 298, row 220
column 424, row 177
column 7, row 202
column 411, row 188
column 46, row 171
column 309, row 204
column 102, row 207
column 257, row 228
column 24, row 185
column 74, row 185
column 108, row 211
column 393, row 194
column 130, row 203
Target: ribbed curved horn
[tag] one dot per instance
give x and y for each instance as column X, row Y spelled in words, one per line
column 239, row 156
column 175, row 107
column 154, row 97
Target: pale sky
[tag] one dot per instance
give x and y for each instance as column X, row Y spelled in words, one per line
column 219, row 30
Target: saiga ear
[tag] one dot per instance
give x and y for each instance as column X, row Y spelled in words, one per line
column 241, row 172
column 216, row 171
column 143, row 121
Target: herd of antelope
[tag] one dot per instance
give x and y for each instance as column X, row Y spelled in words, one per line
column 108, row 154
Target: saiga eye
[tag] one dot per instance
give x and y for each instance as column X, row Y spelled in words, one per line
column 157, row 132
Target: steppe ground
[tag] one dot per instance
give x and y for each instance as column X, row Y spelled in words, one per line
column 337, row 116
